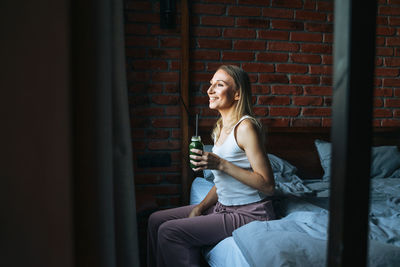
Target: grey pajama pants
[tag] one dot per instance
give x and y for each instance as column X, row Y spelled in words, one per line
column 175, row 240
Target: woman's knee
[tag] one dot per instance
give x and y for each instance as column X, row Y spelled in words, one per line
column 168, row 231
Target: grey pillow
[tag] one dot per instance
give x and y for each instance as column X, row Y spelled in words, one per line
column 385, row 160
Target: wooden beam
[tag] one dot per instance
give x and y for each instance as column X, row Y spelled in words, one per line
column 354, row 49
column 184, row 86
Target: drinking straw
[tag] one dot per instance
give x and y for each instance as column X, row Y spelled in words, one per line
column 197, row 123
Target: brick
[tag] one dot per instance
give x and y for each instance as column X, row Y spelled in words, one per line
column 274, row 100
column 165, row 123
column 206, row 32
column 309, row 5
column 396, row 92
column 391, row 82
column 326, row 122
column 291, row 68
column 391, row 123
column 253, row 2
column 286, row 90
column 165, row 76
column 386, row 31
column 384, row 51
column 158, row 134
column 209, row 9
column 200, row 76
column 377, row 102
column 296, row 122
column 284, row 111
column 141, row 41
column 245, row 56
column 310, row 15
column 150, row 65
column 260, row 89
column 382, row 20
column 288, row 3
column 214, row 43
column 205, row 55
column 135, row 28
column 278, row 13
column 389, row 10
column 135, row 52
column 382, row 113
column 326, row 70
column 200, row 100
column 156, row 30
column 328, row 38
column 252, row 23
column 392, row 103
column 306, row 79
column 273, row 35
column 164, row 145
column 165, row 53
column 318, row 90
column 275, row 122
column 272, row 57
column 217, row 21
column 327, row 59
column 138, row 145
column 170, row 42
column 318, row 27
column 316, row 48
column 258, row 67
column 283, row 46
column 394, row 21
column 393, row 41
column 165, row 99
column 287, row 25
column 393, row 72
column 317, row 112
column 305, row 37
column 139, row 100
column 239, row 33
column 249, row 45
column 306, row 58
column 145, row 111
column 173, row 111
column 260, row 111
column 307, row 101
column 244, row 11
column 273, row 78
column 396, row 113
column 388, row 92
column 325, row 6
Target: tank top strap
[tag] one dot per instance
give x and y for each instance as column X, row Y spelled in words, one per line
column 242, row 118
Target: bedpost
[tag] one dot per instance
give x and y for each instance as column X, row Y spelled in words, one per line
column 354, row 50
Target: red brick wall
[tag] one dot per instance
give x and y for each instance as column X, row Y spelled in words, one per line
column 285, row 46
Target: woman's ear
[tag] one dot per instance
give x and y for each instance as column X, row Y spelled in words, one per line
column 237, row 95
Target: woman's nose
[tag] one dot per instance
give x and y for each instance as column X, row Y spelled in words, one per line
column 210, row 89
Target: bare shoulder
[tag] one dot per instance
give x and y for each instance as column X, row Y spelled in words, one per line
column 247, row 126
column 247, row 132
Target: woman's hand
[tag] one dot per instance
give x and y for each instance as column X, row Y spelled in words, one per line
column 196, row 211
column 205, row 160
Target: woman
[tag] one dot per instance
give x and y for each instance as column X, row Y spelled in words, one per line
column 243, row 180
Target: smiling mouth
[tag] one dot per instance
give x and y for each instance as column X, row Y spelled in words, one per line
column 212, row 99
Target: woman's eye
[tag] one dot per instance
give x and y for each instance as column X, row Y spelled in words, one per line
column 220, row 85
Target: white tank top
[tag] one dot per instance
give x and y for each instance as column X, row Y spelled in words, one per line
column 230, row 191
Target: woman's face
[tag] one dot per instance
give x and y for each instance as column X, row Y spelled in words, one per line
column 222, row 91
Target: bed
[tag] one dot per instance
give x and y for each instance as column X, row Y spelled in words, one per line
column 300, row 159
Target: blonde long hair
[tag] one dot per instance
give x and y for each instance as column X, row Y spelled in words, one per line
column 244, row 105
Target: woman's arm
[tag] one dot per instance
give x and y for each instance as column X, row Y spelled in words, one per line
column 210, row 199
column 248, row 139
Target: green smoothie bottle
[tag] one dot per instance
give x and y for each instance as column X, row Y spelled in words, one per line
column 196, row 143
